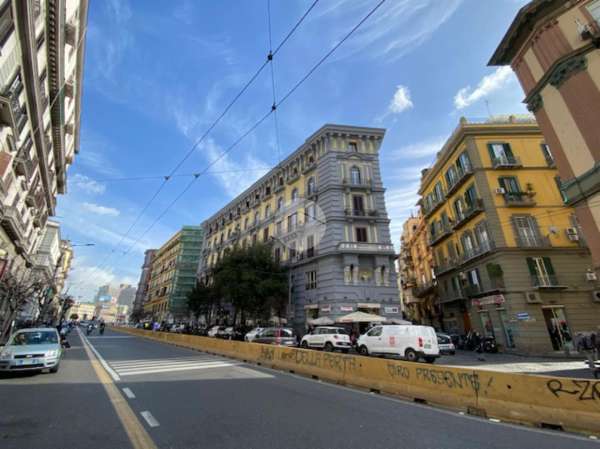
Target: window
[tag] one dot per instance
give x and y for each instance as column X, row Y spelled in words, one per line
column 309, row 213
column 542, row 271
column 281, row 180
column 246, row 223
column 268, row 190
column 375, row 332
column 310, row 246
column 6, row 22
column 547, row 154
column 279, row 228
column 481, row 234
column 526, row 231
column 594, row 9
column 558, row 182
column 438, row 192
column 510, row 184
column 361, row 235
column 254, row 238
column 467, row 243
column 292, row 248
column 311, row 280
column 256, row 218
column 355, row 175
column 292, row 222
column 358, row 205
column 470, row 196
column 464, row 162
column 266, row 234
column 459, row 209
column 451, row 176
column 280, row 203
column 353, row 147
column 311, row 187
column 267, row 211
column 294, row 195
column 277, row 254
column 501, row 154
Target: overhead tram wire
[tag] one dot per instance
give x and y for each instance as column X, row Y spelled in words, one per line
column 261, row 120
column 211, row 127
column 271, row 65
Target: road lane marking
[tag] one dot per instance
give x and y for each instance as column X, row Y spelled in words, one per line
column 152, row 422
column 168, row 370
column 129, row 393
column 118, row 366
column 103, row 337
column 105, row 365
column 138, row 436
column 168, row 365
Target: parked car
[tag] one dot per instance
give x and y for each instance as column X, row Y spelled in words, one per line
column 328, row 338
column 250, row 336
column 212, row 332
column 277, row 336
column 177, row 328
column 445, row 344
column 408, row 341
column 226, row 333
column 32, row 350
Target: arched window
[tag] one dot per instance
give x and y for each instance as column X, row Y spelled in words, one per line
column 246, row 223
column 355, row 175
column 281, row 180
column 311, row 186
column 294, row 195
column 256, row 218
column 280, row 203
column 267, row 211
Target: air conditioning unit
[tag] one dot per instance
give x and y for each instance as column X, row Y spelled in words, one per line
column 573, row 234
column 533, row 297
column 591, row 276
column 596, row 296
column 500, row 191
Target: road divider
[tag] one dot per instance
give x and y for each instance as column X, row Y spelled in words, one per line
column 549, row 402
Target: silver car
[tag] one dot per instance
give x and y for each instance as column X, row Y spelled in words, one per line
column 32, row 349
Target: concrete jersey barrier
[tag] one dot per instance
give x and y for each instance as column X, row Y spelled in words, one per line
column 556, row 402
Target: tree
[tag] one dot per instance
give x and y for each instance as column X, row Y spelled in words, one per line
column 15, row 293
column 201, row 301
column 74, row 317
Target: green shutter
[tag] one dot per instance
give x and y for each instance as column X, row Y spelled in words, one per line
column 491, row 151
column 548, row 265
column 531, row 266
column 502, row 184
column 507, row 150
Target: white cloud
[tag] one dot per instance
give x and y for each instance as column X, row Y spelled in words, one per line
column 421, row 149
column 488, row 84
column 85, row 278
column 88, row 185
column 401, row 100
column 101, row 210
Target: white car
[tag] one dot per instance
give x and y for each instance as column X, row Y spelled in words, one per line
column 328, row 338
column 212, row 332
column 445, row 344
column 250, row 336
column 408, row 341
column 32, row 350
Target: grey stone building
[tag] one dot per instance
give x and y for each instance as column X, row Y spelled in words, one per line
column 323, row 208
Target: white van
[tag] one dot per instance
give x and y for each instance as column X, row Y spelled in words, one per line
column 408, row 341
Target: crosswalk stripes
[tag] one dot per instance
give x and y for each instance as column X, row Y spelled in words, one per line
column 166, row 365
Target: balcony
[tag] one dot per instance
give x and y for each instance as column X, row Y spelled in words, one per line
column 454, row 295
column 23, row 165
column 519, row 199
column 441, row 234
column 12, row 223
column 462, row 175
column 278, row 188
column 477, row 251
column 531, row 241
column 360, row 213
column 506, row 162
column 546, row 282
column 431, row 208
column 361, row 184
column 366, row 248
column 445, row 267
column 422, row 290
column 473, row 210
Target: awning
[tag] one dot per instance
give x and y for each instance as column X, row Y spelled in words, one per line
column 397, row 321
column 311, row 306
column 323, row 321
column 360, row 317
column 368, row 305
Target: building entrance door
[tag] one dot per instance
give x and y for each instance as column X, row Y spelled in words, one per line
column 506, row 329
column 486, row 323
column 558, row 328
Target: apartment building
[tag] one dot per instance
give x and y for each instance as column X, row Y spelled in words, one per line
column 143, row 284
column 41, row 64
column 418, row 283
column 554, row 48
column 83, row 310
column 323, row 210
column 173, row 275
column 510, row 258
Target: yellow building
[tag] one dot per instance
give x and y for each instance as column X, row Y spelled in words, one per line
column 510, row 258
column 83, row 310
column 417, row 279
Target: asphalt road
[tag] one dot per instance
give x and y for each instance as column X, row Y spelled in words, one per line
column 186, row 399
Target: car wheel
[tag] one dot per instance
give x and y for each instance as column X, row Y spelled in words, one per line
column 363, row 350
column 304, row 345
column 430, row 359
column 411, row 355
column 55, row 368
column 328, row 347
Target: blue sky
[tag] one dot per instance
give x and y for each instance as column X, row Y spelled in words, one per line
column 158, row 73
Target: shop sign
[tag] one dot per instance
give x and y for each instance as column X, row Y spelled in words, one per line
column 326, row 309
column 346, row 308
column 488, row 300
column 391, row 310
column 524, row 316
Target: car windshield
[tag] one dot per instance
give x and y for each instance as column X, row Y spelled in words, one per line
column 342, row 331
column 443, row 339
column 34, row 338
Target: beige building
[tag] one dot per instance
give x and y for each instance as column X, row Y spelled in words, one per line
column 83, row 310
column 554, row 48
column 41, row 72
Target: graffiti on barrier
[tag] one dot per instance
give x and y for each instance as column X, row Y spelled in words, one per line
column 583, row 390
column 449, row 378
column 398, row 371
column 266, row 353
column 337, row 362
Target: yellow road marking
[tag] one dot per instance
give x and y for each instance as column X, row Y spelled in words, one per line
column 140, row 439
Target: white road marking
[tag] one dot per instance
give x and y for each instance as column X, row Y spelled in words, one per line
column 123, row 370
column 105, row 365
column 152, row 422
column 170, row 369
column 494, row 420
column 129, row 393
column 102, row 337
column 121, row 365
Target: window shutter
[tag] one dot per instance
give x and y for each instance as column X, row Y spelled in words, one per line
column 502, row 183
column 533, row 224
column 507, row 150
column 491, row 151
column 548, row 265
column 531, row 266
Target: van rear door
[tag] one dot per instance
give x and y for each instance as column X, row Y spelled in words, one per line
column 430, row 345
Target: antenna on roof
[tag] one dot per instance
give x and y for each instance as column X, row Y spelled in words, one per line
column 487, row 105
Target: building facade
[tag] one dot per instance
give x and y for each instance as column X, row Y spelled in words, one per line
column 418, row 282
column 324, row 211
column 83, row 310
column 510, row 258
column 41, row 64
column 143, row 284
column 173, row 275
column 554, row 48
column 126, row 295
